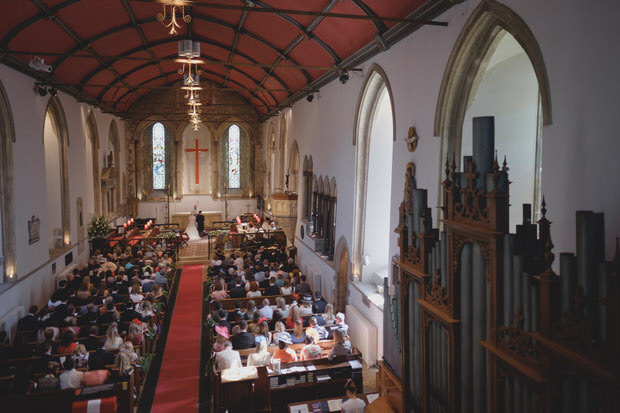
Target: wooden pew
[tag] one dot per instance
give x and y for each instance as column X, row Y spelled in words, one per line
column 229, row 303
column 62, row 401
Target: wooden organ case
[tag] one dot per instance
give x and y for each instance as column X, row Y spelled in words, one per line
column 486, row 325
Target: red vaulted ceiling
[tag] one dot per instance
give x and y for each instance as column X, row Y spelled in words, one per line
column 116, row 52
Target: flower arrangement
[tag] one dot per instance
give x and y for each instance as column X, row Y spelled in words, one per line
column 98, row 227
column 217, row 232
column 167, row 235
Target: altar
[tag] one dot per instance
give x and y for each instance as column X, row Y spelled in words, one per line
column 182, row 218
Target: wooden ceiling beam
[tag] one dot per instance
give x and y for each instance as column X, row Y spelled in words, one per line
column 273, row 10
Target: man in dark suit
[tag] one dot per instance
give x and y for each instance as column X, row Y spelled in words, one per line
column 244, row 339
column 303, row 287
column 92, row 342
column 200, row 223
column 272, row 289
column 238, row 291
column 29, row 322
column 318, row 306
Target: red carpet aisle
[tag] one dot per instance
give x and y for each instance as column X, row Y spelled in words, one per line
column 177, row 385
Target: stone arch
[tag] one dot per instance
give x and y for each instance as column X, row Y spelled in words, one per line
column 293, row 166
column 115, row 141
column 59, row 122
column 246, row 154
column 376, row 82
column 466, row 65
column 343, row 274
column 145, row 184
column 93, row 137
column 7, row 212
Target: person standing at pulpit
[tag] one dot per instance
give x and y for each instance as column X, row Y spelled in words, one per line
column 200, row 223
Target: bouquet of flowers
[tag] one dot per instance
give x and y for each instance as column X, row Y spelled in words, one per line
column 98, row 227
column 167, row 235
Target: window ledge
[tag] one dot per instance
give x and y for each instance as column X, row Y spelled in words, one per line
column 369, row 290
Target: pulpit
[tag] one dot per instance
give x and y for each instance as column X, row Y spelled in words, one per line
column 284, row 211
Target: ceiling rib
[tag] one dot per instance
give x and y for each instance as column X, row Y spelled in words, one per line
column 78, row 39
column 132, row 17
column 379, row 24
column 307, row 33
column 209, row 72
column 196, row 3
column 233, row 47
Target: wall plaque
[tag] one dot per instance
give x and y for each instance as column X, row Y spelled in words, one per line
column 33, row 229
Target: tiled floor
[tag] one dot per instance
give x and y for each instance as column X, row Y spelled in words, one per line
column 198, row 248
column 370, row 379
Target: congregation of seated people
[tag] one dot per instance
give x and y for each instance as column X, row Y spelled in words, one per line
column 92, row 329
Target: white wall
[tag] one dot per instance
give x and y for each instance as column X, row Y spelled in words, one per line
column 34, row 274
column 579, row 147
column 52, row 181
column 149, row 209
column 204, row 160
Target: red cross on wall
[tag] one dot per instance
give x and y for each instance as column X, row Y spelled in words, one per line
column 197, row 150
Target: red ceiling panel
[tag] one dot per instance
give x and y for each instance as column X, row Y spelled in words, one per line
column 312, row 54
column 18, row 15
column 256, row 50
column 214, row 32
column 316, row 5
column 44, row 35
column 141, row 75
column 118, row 43
column 248, row 67
column 73, row 16
column 278, row 31
column 264, row 36
column 75, row 67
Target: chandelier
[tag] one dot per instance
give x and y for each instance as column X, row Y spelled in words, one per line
column 173, row 25
column 189, row 57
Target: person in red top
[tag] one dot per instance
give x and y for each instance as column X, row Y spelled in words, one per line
column 67, row 345
column 283, row 353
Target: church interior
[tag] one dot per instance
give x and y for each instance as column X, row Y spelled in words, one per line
column 309, row 206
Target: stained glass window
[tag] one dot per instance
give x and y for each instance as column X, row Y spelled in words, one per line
column 234, row 180
column 159, row 156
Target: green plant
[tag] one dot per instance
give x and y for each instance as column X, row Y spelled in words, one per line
column 145, row 361
column 150, row 332
column 98, row 227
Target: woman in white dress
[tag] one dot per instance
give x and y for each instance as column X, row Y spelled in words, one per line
column 191, row 229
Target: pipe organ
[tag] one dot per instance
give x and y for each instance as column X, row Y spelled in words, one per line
column 485, row 324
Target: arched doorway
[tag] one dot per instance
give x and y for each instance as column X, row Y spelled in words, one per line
column 56, row 141
column 8, row 265
column 374, row 137
column 496, row 69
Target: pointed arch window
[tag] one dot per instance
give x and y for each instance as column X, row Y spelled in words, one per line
column 234, row 177
column 159, row 156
